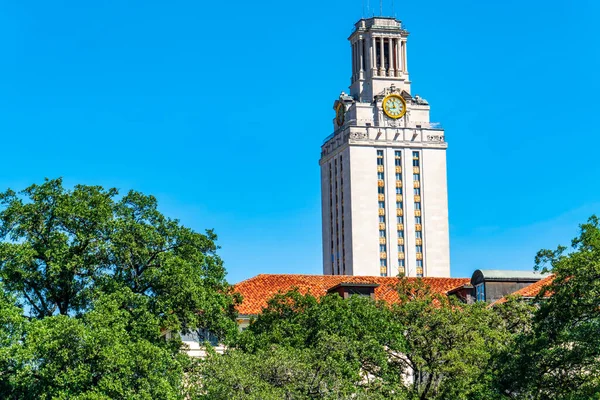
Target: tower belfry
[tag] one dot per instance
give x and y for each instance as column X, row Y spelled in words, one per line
column 383, row 170
column 378, row 57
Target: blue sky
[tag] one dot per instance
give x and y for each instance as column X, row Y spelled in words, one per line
column 219, row 109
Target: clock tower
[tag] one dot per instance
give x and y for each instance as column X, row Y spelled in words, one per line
column 383, row 170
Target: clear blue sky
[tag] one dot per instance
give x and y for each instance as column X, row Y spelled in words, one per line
column 219, row 109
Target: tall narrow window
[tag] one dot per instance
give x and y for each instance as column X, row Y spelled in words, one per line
column 386, row 54
column 480, row 292
column 399, row 212
column 417, row 212
column 331, row 220
column 337, row 219
column 378, row 53
column 383, row 271
column 342, row 207
column 395, row 57
column 363, row 53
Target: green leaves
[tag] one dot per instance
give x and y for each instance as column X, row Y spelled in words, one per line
column 114, row 351
column 92, row 283
column 62, row 246
column 425, row 347
column 55, row 246
column 449, row 344
column 304, row 348
column 558, row 357
column 103, row 279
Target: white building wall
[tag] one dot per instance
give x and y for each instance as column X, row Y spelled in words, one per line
column 436, row 244
column 347, row 175
column 332, row 193
column 326, row 224
column 364, row 212
column 361, row 217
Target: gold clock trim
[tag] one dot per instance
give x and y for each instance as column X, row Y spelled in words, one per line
column 385, row 108
column 340, row 114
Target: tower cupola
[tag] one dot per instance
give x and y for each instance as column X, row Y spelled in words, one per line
column 378, row 57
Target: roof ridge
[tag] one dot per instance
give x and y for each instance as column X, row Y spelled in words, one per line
column 350, row 277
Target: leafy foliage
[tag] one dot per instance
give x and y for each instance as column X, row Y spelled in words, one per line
column 302, row 348
column 12, row 327
column 449, row 345
column 115, row 351
column 283, row 373
column 559, row 357
column 61, row 246
column 56, row 245
column 346, row 348
column 91, row 285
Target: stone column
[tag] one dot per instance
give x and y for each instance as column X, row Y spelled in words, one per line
column 354, row 66
column 367, row 56
column 374, row 59
column 404, row 61
column 391, row 57
column 381, row 57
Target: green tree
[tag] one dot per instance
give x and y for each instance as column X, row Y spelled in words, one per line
column 559, row 357
column 281, row 372
column 304, row 348
column 61, row 246
column 91, row 285
column 114, row 351
column 425, row 347
column 12, row 327
column 449, row 346
column 54, row 244
column 177, row 268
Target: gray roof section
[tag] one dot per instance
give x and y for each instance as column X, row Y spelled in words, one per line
column 510, row 274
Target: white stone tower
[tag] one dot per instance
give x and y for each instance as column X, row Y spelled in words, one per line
column 383, row 170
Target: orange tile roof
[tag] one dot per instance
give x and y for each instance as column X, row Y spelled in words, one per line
column 257, row 290
column 529, row 291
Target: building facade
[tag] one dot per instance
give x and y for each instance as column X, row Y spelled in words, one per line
column 383, row 170
column 492, row 285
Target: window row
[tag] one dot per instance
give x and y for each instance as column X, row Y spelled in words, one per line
column 381, row 203
column 417, row 213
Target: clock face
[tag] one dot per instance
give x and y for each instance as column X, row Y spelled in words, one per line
column 394, row 106
column 340, row 113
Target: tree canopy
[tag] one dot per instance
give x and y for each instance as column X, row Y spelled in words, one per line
column 92, row 282
column 428, row 346
column 425, row 347
column 559, row 356
column 95, row 286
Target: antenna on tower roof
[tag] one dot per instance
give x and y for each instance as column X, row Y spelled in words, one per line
column 381, row 8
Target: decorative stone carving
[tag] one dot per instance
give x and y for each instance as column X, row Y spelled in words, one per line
column 435, row 138
column 359, row 135
column 421, row 101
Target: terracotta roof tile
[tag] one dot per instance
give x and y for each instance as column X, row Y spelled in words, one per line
column 257, row 290
column 529, row 291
